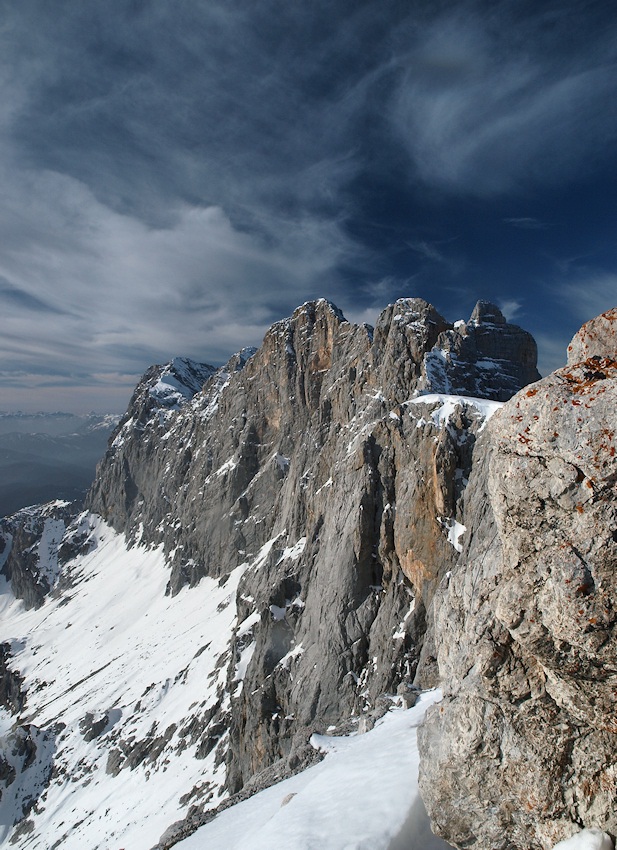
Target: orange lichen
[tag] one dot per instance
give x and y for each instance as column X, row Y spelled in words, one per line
column 594, row 369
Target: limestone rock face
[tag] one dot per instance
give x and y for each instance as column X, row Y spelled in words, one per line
column 30, row 558
column 485, row 357
column 595, row 339
column 522, row 750
column 317, row 463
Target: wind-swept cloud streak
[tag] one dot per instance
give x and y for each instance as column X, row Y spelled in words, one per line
column 526, row 222
column 489, row 101
column 108, row 293
column 177, row 176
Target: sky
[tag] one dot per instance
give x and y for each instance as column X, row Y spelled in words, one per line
column 179, row 174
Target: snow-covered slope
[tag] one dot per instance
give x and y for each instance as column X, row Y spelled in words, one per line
column 121, row 681
column 364, row 794
column 116, row 738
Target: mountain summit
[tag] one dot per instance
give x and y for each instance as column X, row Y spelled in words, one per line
column 299, row 540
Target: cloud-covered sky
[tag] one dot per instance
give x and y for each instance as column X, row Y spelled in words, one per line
column 178, row 174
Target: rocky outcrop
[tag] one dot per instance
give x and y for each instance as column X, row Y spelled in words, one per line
column 30, row 549
column 318, row 465
column 485, row 357
column 595, row 339
column 26, row 764
column 522, row 750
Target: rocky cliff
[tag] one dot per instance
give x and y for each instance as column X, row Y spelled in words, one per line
column 319, row 464
column 524, row 744
column 31, row 555
column 335, row 521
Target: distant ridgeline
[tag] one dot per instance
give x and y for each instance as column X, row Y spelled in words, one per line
column 46, row 456
column 304, row 538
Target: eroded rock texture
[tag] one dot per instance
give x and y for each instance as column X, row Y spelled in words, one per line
column 309, row 462
column 524, row 745
column 31, row 553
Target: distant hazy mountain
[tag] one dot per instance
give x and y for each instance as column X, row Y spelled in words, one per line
column 46, row 456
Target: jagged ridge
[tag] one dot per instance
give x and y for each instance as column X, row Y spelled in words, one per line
column 327, row 472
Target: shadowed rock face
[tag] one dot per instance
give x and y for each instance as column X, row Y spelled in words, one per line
column 525, row 743
column 485, row 357
column 306, row 461
column 31, row 553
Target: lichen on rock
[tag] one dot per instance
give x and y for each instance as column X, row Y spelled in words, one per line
column 525, row 742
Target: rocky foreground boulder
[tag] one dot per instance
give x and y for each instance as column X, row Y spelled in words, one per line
column 525, row 742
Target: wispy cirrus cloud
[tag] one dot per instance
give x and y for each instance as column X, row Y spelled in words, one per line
column 511, row 308
column 588, row 292
column 526, row 222
column 103, row 292
column 491, row 102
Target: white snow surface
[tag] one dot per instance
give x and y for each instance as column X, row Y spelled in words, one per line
column 586, row 839
column 455, row 532
column 179, row 381
column 114, row 644
column 53, row 530
column 448, row 404
column 357, row 798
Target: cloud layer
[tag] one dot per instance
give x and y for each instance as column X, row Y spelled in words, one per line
column 176, row 176
column 489, row 103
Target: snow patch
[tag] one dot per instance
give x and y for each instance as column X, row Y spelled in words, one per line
column 179, row 381
column 455, row 532
column 262, row 556
column 400, row 632
column 53, row 530
column 449, row 403
column 586, row 839
column 289, row 657
column 278, row 613
column 291, row 553
column 244, row 661
column 357, row 798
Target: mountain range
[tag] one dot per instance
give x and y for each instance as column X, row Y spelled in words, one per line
column 47, row 456
column 279, row 558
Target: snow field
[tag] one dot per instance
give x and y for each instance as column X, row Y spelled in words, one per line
column 357, row 798
column 114, row 644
